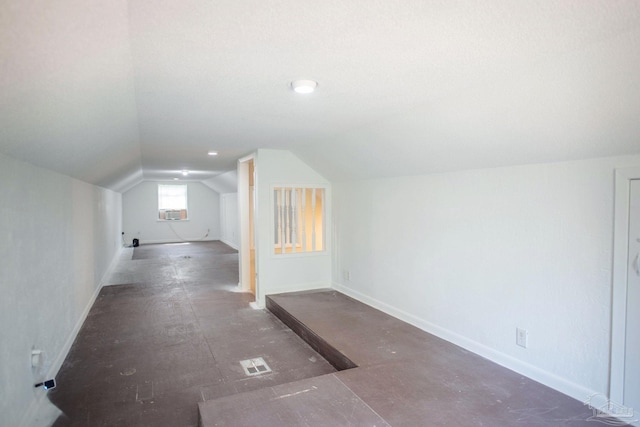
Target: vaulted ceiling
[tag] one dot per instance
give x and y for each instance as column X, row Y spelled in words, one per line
column 114, row 92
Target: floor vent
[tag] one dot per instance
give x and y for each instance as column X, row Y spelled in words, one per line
column 255, row 366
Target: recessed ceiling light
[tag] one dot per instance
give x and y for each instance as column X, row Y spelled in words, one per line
column 304, row 86
column 212, row 153
column 185, row 172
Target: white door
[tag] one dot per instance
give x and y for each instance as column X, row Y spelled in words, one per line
column 632, row 337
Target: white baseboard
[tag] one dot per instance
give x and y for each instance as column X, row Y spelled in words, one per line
column 41, row 410
column 291, row 288
column 298, row 288
column 228, row 243
column 59, row 360
column 549, row 379
column 194, row 239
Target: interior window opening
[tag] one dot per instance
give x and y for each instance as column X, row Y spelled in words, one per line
column 299, row 220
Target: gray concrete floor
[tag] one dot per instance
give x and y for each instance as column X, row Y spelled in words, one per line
column 169, row 332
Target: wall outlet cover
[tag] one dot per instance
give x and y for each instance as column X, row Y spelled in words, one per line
column 521, row 337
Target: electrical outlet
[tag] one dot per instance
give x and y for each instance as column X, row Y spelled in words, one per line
column 521, row 337
column 347, row 275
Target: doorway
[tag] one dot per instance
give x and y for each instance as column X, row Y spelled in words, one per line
column 247, row 212
column 625, row 332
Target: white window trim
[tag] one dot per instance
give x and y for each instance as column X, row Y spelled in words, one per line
column 186, row 209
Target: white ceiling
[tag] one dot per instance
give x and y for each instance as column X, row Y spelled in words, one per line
column 113, row 92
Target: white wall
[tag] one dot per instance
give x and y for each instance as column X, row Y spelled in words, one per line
column 472, row 255
column 229, row 216
column 278, row 273
column 140, row 215
column 59, row 237
column 224, row 183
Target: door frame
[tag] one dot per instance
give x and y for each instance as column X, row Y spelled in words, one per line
column 245, row 217
column 623, row 178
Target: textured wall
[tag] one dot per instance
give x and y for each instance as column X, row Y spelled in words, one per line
column 140, row 215
column 229, row 224
column 59, row 237
column 472, row 255
column 283, row 273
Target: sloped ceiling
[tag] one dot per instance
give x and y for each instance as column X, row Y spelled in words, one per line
column 114, row 92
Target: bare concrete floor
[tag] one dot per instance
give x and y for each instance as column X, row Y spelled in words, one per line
column 168, row 333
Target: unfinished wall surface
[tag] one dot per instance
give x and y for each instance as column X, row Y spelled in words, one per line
column 59, row 237
column 283, row 273
column 140, row 215
column 471, row 256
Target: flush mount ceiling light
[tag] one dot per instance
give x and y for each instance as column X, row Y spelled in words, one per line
column 304, row 86
column 212, row 153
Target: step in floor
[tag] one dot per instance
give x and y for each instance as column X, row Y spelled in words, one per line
column 403, row 377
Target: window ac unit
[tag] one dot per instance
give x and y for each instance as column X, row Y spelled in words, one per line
column 173, row 215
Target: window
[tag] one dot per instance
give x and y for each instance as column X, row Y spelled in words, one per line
column 172, row 202
column 299, row 220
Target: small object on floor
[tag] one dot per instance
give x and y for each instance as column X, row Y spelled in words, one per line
column 49, row 384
